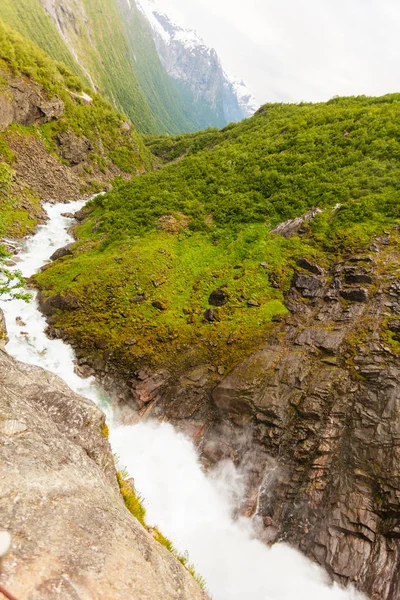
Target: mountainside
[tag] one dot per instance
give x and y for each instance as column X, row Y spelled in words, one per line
column 120, row 62
column 216, row 99
column 109, row 43
column 272, row 343
column 79, row 142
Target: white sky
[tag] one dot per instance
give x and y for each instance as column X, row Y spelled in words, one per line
column 294, row 50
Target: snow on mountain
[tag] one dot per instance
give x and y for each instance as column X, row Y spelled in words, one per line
column 197, row 69
column 246, row 98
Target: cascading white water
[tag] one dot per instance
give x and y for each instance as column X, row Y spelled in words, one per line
column 192, row 508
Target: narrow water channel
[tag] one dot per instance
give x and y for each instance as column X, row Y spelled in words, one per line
column 192, row 508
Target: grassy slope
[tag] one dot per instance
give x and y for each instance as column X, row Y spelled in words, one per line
column 249, row 177
column 97, row 121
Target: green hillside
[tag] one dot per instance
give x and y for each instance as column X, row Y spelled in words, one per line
column 111, row 147
column 154, row 249
column 112, row 47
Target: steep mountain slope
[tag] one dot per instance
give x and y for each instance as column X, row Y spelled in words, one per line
column 109, row 44
column 78, row 141
column 215, row 98
column 275, row 345
column 168, row 107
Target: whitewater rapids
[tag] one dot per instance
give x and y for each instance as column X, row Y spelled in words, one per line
column 192, row 508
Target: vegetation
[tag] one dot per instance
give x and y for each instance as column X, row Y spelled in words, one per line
column 135, row 504
column 113, row 142
column 115, row 52
column 154, row 249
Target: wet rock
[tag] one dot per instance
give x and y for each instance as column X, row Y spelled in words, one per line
column 309, row 285
column 68, row 215
column 20, row 322
column 72, row 148
column 3, row 331
column 218, row 298
column 355, row 294
column 81, row 215
column 211, row 315
column 312, row 267
column 61, row 252
column 59, row 302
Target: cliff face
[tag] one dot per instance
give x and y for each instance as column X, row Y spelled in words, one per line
column 313, row 417
column 72, row 537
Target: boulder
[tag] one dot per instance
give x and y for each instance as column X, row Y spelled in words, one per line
column 218, row 298
column 72, row 148
column 355, row 294
column 59, row 302
column 291, row 227
column 211, row 315
column 309, row 285
column 61, row 252
column 394, row 325
column 71, row 535
column 161, row 306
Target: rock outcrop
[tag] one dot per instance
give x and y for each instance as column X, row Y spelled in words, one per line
column 72, row 537
column 312, row 417
column 27, row 104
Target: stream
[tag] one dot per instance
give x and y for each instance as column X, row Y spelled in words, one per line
column 192, row 508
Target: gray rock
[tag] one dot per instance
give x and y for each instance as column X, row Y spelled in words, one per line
column 306, row 264
column 394, row 325
column 72, row 537
column 218, row 298
column 72, row 148
column 330, row 341
column 61, row 252
column 291, row 227
column 355, row 294
column 310, row 286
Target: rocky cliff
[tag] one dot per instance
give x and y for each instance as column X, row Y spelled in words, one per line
column 72, row 537
column 312, row 418
column 216, row 99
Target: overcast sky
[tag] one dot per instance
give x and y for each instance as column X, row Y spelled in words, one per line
column 294, row 50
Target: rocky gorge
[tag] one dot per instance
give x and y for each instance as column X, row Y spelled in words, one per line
column 310, row 418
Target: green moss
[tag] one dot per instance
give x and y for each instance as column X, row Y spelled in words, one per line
column 105, row 432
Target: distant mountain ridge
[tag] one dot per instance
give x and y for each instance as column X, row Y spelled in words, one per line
column 197, row 71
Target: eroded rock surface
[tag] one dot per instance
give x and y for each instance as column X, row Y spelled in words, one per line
column 72, row 537
column 313, row 420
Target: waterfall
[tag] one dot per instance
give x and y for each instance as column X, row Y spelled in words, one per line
column 190, row 507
